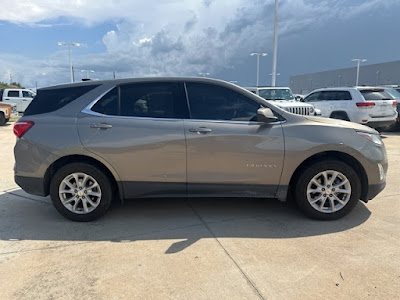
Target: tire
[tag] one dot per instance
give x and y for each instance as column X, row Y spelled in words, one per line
column 2, row 118
column 340, row 116
column 394, row 127
column 332, row 209
column 64, row 188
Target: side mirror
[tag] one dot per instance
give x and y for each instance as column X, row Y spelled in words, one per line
column 266, row 115
column 298, row 98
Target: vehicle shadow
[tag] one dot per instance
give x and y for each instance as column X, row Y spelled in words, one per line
column 189, row 220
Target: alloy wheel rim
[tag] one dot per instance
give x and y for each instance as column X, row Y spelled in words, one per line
column 329, row 191
column 80, row 193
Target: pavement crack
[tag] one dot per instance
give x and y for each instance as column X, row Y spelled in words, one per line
column 249, row 281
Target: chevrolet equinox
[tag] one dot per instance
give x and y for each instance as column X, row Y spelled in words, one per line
column 86, row 144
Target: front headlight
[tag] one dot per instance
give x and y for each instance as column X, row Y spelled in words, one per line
column 375, row 138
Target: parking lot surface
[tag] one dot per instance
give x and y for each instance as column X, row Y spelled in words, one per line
column 198, row 248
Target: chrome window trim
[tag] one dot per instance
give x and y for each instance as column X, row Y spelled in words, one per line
column 235, row 122
column 88, row 110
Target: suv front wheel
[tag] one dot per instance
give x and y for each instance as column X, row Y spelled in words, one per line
column 327, row 190
column 81, row 192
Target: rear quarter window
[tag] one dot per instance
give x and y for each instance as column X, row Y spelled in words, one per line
column 53, row 99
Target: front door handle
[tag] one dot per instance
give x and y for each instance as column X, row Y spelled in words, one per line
column 200, row 130
column 101, row 126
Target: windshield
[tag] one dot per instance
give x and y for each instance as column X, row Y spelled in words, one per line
column 276, row 94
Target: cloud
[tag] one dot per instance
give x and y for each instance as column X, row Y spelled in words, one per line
column 175, row 37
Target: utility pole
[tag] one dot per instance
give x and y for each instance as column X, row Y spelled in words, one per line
column 114, row 74
column 273, row 81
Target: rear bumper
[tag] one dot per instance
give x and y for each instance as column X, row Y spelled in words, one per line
column 376, row 124
column 31, row 185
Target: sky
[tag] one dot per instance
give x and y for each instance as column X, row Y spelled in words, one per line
column 187, row 37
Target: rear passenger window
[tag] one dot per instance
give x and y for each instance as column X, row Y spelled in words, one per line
column 335, row 96
column 108, row 104
column 13, row 93
column 49, row 100
column 154, row 100
column 343, row 95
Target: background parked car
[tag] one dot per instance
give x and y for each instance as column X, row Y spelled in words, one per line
column 284, row 98
column 395, row 93
column 21, row 97
column 371, row 106
column 5, row 113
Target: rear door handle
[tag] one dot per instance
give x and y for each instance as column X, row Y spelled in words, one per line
column 101, row 126
column 200, row 130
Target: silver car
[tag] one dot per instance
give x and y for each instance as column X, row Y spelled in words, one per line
column 88, row 144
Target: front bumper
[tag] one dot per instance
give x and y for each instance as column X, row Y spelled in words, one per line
column 374, row 190
column 31, row 185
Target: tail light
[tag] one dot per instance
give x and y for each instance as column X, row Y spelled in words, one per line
column 395, row 103
column 365, row 104
column 22, row 127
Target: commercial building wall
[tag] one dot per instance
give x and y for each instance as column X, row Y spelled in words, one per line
column 377, row 74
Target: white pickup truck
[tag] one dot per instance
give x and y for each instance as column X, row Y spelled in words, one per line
column 283, row 98
column 21, row 97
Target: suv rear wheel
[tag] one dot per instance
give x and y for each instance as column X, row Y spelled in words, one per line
column 327, row 190
column 340, row 116
column 2, row 118
column 81, row 192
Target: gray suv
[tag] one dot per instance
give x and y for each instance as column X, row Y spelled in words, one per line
column 87, row 144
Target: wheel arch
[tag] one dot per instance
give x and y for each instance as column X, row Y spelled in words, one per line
column 63, row 161
column 341, row 156
column 340, row 112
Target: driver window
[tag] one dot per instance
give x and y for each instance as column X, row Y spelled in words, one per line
column 312, row 97
column 212, row 102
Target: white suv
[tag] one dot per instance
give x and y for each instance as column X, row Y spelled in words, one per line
column 283, row 98
column 371, row 106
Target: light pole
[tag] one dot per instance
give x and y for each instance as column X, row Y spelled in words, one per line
column 358, row 60
column 339, row 79
column 258, row 63
column 204, row 74
column 273, row 81
column 69, row 54
column 377, row 77
column 87, row 72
